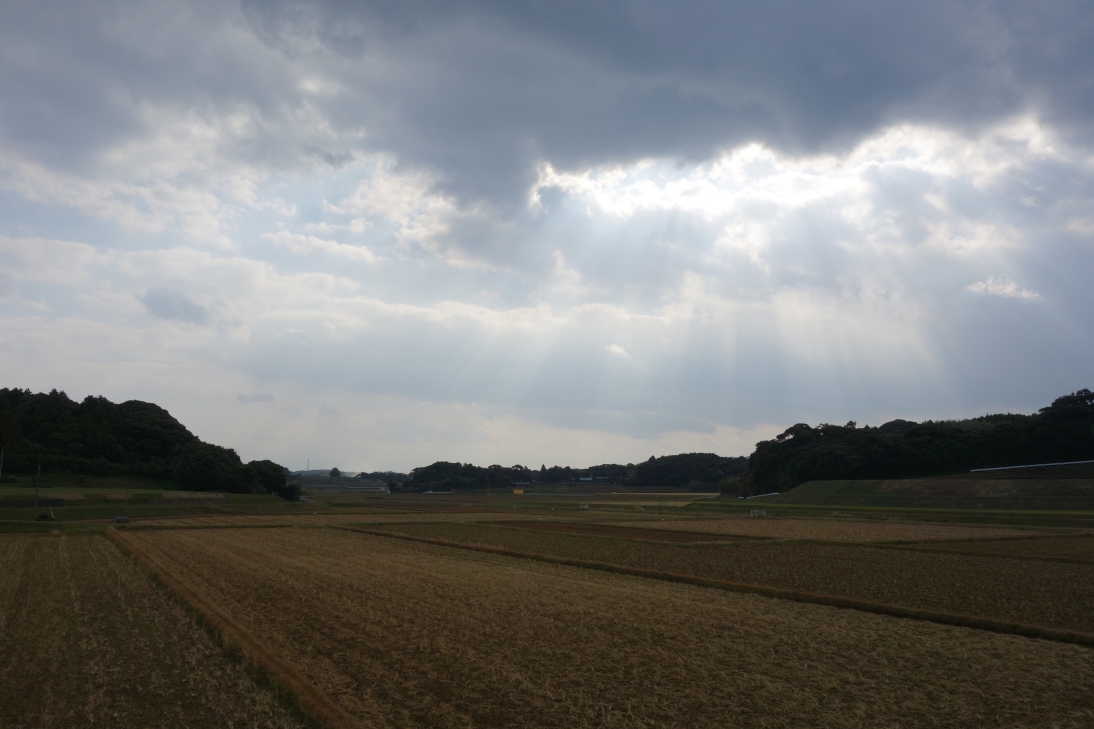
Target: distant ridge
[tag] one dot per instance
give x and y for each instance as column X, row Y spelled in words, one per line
column 97, row 437
column 901, row 449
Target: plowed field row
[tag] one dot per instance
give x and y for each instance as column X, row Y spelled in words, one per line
column 327, row 518
column 1077, row 547
column 1042, row 594
column 413, row 635
column 828, row 530
column 86, row 639
column 625, row 532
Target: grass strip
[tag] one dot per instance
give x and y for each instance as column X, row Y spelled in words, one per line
column 314, row 704
column 48, row 527
column 933, row 616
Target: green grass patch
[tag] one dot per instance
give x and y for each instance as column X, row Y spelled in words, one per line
column 49, row 527
column 78, row 481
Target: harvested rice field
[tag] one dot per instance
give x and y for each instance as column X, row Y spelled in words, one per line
column 326, row 518
column 1079, row 547
column 403, row 634
column 1045, row 594
column 626, row 532
column 830, row 530
column 87, row 639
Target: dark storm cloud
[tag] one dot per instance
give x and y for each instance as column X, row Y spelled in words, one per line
column 76, row 77
column 481, row 92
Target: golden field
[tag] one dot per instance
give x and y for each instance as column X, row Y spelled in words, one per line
column 407, row 634
column 829, row 530
column 1030, row 592
column 88, row 640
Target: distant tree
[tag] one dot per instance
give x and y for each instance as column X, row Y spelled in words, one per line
column 335, row 473
column 206, row 467
column 274, row 479
column 1063, row 431
column 95, row 437
column 133, row 438
column 735, row 485
column 696, row 471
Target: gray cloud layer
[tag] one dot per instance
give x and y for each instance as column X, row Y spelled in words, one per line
column 166, row 303
column 628, row 218
column 481, row 92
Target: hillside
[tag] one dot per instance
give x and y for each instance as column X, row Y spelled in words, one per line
column 1063, row 431
column 692, row 471
column 97, row 437
column 947, row 493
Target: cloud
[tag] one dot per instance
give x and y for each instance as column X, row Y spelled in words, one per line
column 1002, row 287
column 263, row 397
column 174, row 305
column 309, row 244
column 770, row 214
column 478, row 95
column 45, row 260
column 484, row 91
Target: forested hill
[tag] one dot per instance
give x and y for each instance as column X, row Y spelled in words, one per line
column 1063, row 431
column 133, row 438
column 693, row 471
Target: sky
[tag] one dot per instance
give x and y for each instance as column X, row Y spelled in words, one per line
column 378, row 234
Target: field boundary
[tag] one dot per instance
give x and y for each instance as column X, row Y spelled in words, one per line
column 973, row 553
column 719, row 539
column 313, row 703
column 953, row 619
column 1031, row 518
column 138, row 527
column 517, row 524
column 973, row 540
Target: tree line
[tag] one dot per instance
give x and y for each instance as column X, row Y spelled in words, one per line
column 693, row 471
column 134, row 438
column 100, row 438
column 1062, row 431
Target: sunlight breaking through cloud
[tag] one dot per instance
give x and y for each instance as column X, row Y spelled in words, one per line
column 480, row 218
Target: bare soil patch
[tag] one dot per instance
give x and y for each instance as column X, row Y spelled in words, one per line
column 86, row 639
column 830, row 530
column 414, row 635
column 1045, row 594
